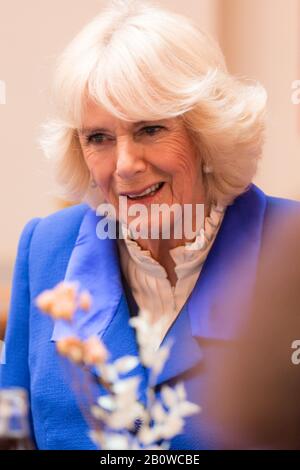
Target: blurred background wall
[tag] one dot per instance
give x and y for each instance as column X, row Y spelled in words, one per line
column 260, row 39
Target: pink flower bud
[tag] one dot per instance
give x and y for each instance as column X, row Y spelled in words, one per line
column 45, row 301
column 85, row 300
column 72, row 348
column 94, row 351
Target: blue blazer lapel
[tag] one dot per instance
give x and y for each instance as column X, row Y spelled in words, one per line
column 213, row 305
column 94, row 263
column 185, row 352
column 212, row 308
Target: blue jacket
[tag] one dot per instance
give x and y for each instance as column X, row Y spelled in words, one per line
column 64, row 245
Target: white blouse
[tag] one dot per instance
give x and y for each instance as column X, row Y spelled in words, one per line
column 148, row 279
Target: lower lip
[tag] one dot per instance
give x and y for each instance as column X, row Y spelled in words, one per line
column 147, row 198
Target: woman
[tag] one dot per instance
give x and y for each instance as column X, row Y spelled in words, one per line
column 144, row 104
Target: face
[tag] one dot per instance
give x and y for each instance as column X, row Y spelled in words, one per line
column 127, row 159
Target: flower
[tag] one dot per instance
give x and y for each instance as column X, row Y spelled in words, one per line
column 146, row 333
column 85, row 300
column 94, row 351
column 63, row 300
column 90, row 352
column 71, row 348
column 45, row 301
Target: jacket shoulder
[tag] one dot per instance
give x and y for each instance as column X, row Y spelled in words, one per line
column 52, row 242
column 63, row 224
column 68, row 216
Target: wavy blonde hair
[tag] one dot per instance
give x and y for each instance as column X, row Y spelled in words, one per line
column 142, row 62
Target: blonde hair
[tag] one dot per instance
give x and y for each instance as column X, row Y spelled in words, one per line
column 142, row 62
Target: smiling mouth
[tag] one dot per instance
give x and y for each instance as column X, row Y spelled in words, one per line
column 149, row 192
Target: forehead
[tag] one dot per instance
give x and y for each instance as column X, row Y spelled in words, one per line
column 95, row 116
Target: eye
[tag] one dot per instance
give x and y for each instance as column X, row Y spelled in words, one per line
column 97, row 138
column 151, row 130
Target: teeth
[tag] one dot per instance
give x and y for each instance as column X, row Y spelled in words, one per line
column 152, row 188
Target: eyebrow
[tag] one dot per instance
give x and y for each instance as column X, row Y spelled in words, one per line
column 88, row 130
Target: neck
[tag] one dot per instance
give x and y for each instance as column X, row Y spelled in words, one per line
column 160, row 250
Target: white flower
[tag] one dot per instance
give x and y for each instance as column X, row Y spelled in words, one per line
column 158, row 412
column 147, row 435
column 107, row 372
column 116, row 441
column 125, row 418
column 125, row 364
column 107, row 402
column 146, row 333
column 98, row 437
column 186, row 408
column 180, row 391
column 169, row 396
column 163, row 446
column 127, row 386
column 173, row 426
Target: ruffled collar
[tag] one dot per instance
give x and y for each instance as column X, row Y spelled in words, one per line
column 187, row 257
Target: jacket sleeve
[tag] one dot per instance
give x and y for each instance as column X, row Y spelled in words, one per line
column 14, row 361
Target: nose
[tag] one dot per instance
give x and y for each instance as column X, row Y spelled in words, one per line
column 130, row 158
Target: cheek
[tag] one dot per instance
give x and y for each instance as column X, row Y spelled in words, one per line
column 102, row 170
column 91, row 158
column 180, row 158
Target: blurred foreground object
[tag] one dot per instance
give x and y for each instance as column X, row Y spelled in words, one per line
column 119, row 419
column 254, row 391
column 14, row 424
